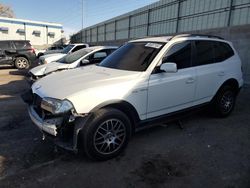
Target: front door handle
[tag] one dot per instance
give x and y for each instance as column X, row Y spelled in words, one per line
column 190, row 81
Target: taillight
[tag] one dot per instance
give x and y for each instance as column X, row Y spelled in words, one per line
column 32, row 50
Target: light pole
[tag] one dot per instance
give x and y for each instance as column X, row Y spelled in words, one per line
column 82, row 23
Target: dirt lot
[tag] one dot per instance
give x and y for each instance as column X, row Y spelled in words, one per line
column 208, row 152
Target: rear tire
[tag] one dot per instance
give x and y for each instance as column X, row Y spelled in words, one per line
column 224, row 101
column 106, row 134
column 22, row 63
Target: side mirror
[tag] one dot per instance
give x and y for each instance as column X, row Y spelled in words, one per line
column 84, row 62
column 169, row 67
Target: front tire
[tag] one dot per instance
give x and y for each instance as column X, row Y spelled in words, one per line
column 224, row 101
column 106, row 134
column 22, row 63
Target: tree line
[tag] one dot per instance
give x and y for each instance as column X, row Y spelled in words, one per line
column 6, row 11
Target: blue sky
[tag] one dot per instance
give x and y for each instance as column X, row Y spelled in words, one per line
column 69, row 12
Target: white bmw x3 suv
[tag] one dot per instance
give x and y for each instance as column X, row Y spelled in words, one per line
column 98, row 107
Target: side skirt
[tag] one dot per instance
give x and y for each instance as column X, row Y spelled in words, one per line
column 171, row 117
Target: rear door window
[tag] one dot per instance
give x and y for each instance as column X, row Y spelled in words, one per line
column 204, row 52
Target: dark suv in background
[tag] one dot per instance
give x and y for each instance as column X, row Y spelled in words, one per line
column 18, row 53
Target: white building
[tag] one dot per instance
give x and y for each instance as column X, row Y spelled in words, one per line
column 38, row 33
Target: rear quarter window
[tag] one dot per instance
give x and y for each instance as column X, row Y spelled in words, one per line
column 222, row 51
column 208, row 52
column 22, row 44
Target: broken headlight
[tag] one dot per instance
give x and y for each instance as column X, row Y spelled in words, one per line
column 56, row 106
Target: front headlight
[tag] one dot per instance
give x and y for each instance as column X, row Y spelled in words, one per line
column 56, row 106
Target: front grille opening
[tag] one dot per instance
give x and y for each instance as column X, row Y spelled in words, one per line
column 37, row 100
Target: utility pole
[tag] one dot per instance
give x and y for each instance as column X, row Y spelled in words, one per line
column 82, row 23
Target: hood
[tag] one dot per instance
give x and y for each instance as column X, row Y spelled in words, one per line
column 52, row 52
column 45, row 69
column 50, row 55
column 64, row 84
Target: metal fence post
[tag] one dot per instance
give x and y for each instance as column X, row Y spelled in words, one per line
column 230, row 13
column 178, row 16
column 115, row 31
column 85, row 32
column 82, row 37
column 105, row 38
column 129, row 26
column 91, row 35
column 148, row 19
column 97, row 34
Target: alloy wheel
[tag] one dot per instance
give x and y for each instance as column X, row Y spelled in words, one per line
column 21, row 63
column 109, row 136
column 227, row 101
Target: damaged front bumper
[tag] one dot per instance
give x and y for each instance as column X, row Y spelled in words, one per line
column 62, row 128
column 49, row 126
column 31, row 78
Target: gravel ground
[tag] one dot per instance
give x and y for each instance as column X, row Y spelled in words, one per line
column 208, row 152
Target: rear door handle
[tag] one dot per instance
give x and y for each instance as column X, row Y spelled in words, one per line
column 190, row 81
column 221, row 73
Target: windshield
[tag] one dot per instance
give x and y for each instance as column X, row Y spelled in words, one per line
column 134, row 56
column 71, row 58
column 67, row 49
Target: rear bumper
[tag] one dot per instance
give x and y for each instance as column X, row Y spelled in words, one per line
column 32, row 57
column 241, row 82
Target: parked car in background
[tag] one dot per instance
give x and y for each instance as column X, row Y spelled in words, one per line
column 67, row 50
column 18, row 53
column 144, row 82
column 86, row 56
column 50, row 50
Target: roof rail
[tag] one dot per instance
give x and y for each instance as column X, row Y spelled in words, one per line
column 196, row 35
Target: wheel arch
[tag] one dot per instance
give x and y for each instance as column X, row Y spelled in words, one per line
column 232, row 82
column 21, row 55
column 125, row 107
column 214, row 103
